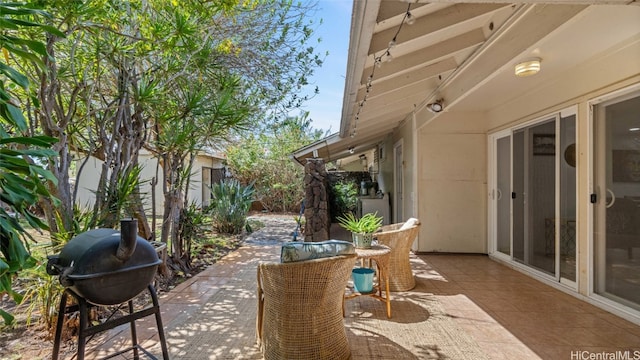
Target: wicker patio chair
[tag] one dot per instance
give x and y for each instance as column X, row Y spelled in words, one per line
column 300, row 308
column 400, row 241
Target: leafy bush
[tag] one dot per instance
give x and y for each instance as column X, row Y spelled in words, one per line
column 265, row 160
column 230, row 204
column 42, row 294
column 193, row 222
column 22, row 180
column 345, row 197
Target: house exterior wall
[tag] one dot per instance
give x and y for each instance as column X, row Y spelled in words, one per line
column 406, row 134
column 87, row 181
column 451, row 183
column 452, row 161
column 198, row 190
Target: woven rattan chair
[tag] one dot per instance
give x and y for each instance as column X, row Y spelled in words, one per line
column 400, row 241
column 300, row 308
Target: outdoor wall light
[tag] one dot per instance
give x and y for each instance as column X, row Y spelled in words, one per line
column 528, row 67
column 436, row 106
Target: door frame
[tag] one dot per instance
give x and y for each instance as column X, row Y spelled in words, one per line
column 492, row 211
column 618, row 95
column 398, row 185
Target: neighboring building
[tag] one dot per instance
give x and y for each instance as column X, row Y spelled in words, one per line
column 208, row 169
column 540, row 172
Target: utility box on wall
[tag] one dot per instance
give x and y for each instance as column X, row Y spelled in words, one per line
column 373, row 205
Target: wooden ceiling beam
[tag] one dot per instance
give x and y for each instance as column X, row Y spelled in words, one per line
column 424, row 25
column 425, row 56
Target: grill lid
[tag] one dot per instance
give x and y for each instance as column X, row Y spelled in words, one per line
column 106, row 266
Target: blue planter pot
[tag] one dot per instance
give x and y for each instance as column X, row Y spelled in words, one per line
column 363, row 279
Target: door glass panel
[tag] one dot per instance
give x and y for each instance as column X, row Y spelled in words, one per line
column 617, row 213
column 533, row 195
column 567, row 219
column 503, row 195
column 541, row 195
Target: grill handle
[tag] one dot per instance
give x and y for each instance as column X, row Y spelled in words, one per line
column 128, row 239
column 53, row 265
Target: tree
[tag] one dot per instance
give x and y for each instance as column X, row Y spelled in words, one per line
column 194, row 117
column 265, row 159
column 122, row 77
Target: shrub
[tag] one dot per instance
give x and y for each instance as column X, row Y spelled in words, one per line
column 230, row 204
column 345, row 197
column 193, row 222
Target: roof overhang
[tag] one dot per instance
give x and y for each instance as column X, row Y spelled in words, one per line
column 460, row 51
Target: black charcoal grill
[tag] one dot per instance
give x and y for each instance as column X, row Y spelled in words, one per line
column 105, row 267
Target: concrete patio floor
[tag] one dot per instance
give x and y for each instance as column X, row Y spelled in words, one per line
column 463, row 307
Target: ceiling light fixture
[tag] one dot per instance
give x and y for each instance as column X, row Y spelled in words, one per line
column 528, row 67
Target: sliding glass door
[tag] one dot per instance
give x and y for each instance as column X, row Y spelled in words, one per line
column 533, row 196
column 617, row 199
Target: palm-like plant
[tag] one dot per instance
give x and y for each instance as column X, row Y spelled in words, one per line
column 22, row 180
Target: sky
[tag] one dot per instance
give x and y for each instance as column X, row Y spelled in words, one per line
column 325, row 108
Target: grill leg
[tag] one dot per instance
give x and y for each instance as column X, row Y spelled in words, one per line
column 156, row 305
column 84, row 324
column 134, row 336
column 59, row 323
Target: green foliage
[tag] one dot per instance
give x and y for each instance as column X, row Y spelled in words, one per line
column 265, row 159
column 345, row 197
column 193, row 226
column 113, row 75
column 367, row 224
column 22, row 179
column 230, row 205
column 117, row 200
column 83, row 221
column 42, row 293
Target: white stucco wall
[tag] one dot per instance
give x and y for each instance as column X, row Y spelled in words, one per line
column 87, row 181
column 451, row 184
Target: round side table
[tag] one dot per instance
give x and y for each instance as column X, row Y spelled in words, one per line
column 380, row 255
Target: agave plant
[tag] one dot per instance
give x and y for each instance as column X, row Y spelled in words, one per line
column 367, row 224
column 230, row 204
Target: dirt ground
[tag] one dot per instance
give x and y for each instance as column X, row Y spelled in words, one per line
column 21, row 342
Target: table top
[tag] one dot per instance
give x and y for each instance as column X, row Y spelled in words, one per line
column 375, row 250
